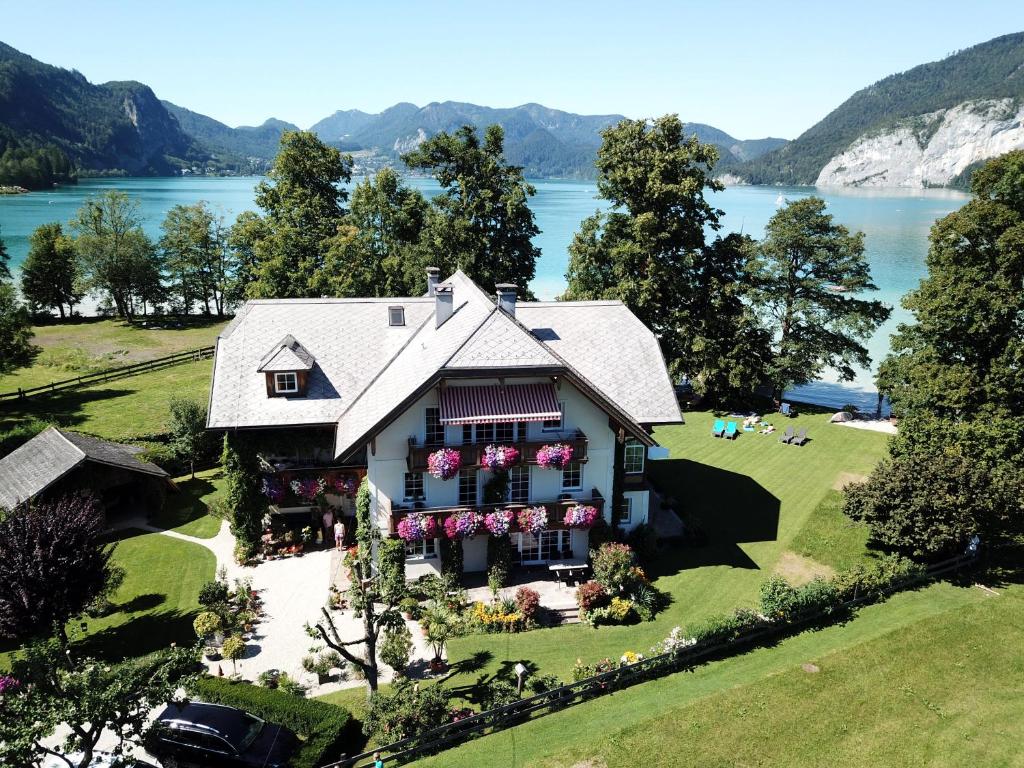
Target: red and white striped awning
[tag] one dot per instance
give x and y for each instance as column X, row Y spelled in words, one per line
column 495, row 403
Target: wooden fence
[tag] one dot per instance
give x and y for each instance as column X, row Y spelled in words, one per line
column 520, row 711
column 111, row 374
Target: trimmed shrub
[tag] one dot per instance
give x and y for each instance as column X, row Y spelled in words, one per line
column 644, row 542
column 499, row 560
column 451, row 558
column 528, row 604
column 591, row 595
column 213, row 594
column 403, row 713
column 326, row 730
column 778, row 599
column 612, row 564
column 721, row 629
column 391, row 567
column 497, row 693
column 396, row 647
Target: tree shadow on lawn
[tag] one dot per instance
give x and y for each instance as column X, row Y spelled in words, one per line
column 728, row 507
column 64, row 408
column 139, row 636
column 186, row 503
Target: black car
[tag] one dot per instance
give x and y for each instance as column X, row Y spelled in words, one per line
column 199, row 734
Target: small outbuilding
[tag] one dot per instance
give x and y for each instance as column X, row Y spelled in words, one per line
column 56, row 462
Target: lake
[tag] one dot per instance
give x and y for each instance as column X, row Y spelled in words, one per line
column 895, row 223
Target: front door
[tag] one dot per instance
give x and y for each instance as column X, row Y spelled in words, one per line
column 542, row 548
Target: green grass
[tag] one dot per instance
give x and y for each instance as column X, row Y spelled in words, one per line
column 124, row 409
column 188, row 510
column 914, row 681
column 74, row 348
column 157, row 601
column 830, row 537
column 752, row 496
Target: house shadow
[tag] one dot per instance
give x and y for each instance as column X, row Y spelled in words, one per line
column 720, row 509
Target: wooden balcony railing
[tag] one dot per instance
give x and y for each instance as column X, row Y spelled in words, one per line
column 556, row 508
column 472, row 453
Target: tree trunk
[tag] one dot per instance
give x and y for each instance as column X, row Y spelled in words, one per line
column 192, row 467
column 60, row 308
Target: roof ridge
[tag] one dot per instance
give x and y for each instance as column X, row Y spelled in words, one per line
column 70, row 442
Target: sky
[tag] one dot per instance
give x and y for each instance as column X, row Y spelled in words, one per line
column 753, row 69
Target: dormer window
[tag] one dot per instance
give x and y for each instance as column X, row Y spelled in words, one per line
column 287, row 367
column 396, row 315
column 286, row 383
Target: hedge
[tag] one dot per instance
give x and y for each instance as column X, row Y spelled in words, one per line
column 326, row 730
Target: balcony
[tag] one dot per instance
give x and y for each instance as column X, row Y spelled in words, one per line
column 556, row 508
column 472, row 453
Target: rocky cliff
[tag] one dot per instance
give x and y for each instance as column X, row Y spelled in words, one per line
column 930, row 150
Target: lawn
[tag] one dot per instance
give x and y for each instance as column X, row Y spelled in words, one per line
column 69, row 349
column 125, row 409
column 830, row 537
column 188, row 510
column 157, row 601
column 914, row 681
column 753, row 497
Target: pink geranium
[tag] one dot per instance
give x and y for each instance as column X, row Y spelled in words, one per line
column 500, row 457
column 554, row 456
column 580, row 516
column 344, row 486
column 498, row 522
column 444, row 463
column 462, row 525
column 417, row 527
column 533, row 520
column 308, row 488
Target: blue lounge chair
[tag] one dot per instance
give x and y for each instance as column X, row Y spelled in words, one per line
column 784, row 410
column 730, row 430
column 719, row 429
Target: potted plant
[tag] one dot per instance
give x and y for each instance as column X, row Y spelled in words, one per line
column 233, row 648
column 444, row 463
column 410, row 608
column 208, row 627
column 321, row 665
column 499, row 458
column 554, row 456
column 417, row 527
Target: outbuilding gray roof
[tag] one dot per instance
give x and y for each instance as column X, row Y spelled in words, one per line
column 367, row 368
column 32, row 468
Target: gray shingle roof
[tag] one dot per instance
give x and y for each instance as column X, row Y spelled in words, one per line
column 50, row 455
column 367, row 368
column 287, row 355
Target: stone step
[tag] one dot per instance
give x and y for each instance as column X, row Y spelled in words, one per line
column 565, row 615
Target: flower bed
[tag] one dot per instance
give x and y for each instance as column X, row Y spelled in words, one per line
column 580, row 516
column 445, row 463
column 499, row 458
column 533, row 520
column 554, row 456
column 417, row 527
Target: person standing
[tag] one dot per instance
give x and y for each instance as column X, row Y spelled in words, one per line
column 339, row 534
column 328, row 523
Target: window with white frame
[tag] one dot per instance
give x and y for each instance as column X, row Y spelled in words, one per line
column 519, row 484
column 433, row 428
column 467, row 487
column 421, row 549
column 633, row 459
column 414, row 486
column 286, row 382
column 626, row 511
column 572, row 476
column 555, row 425
column 396, row 315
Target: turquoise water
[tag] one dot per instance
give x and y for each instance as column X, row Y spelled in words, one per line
column 895, row 222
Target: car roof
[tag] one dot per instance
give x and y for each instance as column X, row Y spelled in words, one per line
column 216, row 719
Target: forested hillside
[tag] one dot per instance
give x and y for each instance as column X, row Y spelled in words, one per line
column 991, row 70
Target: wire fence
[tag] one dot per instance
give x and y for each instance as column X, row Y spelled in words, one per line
column 541, row 704
column 110, row 374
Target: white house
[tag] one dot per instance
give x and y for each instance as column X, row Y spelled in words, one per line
column 346, row 388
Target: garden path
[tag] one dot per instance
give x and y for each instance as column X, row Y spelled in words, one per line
column 293, row 590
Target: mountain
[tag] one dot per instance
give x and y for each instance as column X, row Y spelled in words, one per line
column 258, row 142
column 546, row 142
column 117, row 126
column 928, row 126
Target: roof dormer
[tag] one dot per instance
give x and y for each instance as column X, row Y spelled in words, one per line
column 286, row 367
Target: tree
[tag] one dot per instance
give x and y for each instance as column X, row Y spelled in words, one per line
column 53, row 563
column 377, row 251
column 651, row 252
column 116, row 256
column 302, row 203
column 807, row 272
column 197, row 257
column 189, row 439
column 50, row 688
column 15, row 330
column 49, row 276
column 955, row 378
column 481, row 222
column 246, row 504
column 365, row 595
